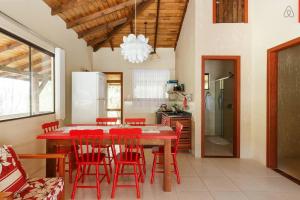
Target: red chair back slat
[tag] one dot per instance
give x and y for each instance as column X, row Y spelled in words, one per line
column 178, row 131
column 135, row 121
column 50, row 126
column 89, row 142
column 128, row 142
column 106, row 121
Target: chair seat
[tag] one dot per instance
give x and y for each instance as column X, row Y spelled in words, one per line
column 130, row 158
column 160, row 150
column 89, row 156
column 42, row 188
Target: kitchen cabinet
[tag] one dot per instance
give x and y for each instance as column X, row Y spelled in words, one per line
column 185, row 141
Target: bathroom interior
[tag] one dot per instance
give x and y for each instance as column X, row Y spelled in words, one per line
column 219, row 108
column 288, row 107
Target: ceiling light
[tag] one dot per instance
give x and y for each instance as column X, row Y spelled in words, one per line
column 135, row 48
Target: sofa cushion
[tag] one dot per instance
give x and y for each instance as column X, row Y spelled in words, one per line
column 42, row 189
column 11, row 178
column 17, row 160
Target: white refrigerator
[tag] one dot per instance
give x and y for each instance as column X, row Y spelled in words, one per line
column 88, row 97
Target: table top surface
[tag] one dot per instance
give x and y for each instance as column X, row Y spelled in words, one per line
column 148, row 131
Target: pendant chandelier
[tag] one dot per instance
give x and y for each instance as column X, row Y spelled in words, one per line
column 135, row 48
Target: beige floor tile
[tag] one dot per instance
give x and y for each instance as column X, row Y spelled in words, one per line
column 229, row 196
column 204, row 179
column 272, row 196
column 219, row 183
column 194, row 195
column 189, row 184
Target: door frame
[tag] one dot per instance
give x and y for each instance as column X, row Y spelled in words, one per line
column 237, row 96
column 122, row 85
column 272, row 100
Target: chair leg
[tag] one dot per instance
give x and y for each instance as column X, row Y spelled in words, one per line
column 176, row 168
column 109, row 159
column 113, row 191
column 153, row 169
column 141, row 175
column 143, row 159
column 76, row 182
column 136, row 182
column 70, row 166
column 83, row 173
column 106, row 171
column 98, row 183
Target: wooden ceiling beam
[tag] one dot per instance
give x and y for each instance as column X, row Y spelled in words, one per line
column 181, row 23
column 156, row 25
column 22, row 73
column 140, row 8
column 111, row 44
column 10, row 46
column 103, row 27
column 14, row 59
column 101, row 13
column 71, row 4
column 96, row 41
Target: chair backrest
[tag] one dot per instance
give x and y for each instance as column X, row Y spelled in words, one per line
column 50, row 126
column 106, row 121
column 128, row 142
column 178, row 131
column 135, row 121
column 89, row 142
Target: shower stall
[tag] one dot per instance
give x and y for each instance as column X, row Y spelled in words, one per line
column 223, row 108
column 219, row 108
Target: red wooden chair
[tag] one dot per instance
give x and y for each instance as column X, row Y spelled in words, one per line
column 88, row 154
column 61, row 149
column 159, row 151
column 129, row 155
column 138, row 122
column 107, row 122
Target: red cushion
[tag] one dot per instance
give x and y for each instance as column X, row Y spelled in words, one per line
column 11, row 178
column 17, row 160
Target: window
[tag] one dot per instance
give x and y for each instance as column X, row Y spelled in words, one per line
column 233, row 11
column 26, row 78
column 206, row 81
column 150, row 83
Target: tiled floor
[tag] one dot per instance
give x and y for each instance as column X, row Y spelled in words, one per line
column 213, row 149
column 207, row 179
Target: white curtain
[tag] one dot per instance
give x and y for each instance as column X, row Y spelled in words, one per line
column 149, row 89
column 60, row 83
column 150, row 83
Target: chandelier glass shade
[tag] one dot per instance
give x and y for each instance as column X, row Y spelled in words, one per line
column 135, row 49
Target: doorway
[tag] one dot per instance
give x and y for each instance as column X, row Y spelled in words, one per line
column 220, row 129
column 283, row 105
column 114, row 104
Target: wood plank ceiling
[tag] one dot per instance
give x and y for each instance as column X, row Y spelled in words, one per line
column 15, row 62
column 103, row 23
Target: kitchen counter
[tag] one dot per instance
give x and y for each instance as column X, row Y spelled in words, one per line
column 177, row 114
column 170, row 119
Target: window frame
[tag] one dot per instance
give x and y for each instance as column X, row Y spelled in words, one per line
column 245, row 20
column 30, row 46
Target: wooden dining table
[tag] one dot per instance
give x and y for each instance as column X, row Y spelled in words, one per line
column 151, row 135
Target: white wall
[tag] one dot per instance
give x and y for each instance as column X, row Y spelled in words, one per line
column 106, row 60
column 267, row 27
column 186, row 58
column 37, row 15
